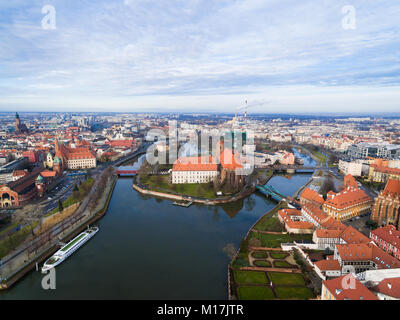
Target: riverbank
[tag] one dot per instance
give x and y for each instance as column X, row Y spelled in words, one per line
column 67, row 235
column 261, row 270
column 318, row 157
column 245, row 193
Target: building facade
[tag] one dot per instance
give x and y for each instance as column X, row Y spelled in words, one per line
column 388, row 239
column 81, row 157
column 347, row 204
column 194, row 170
column 387, row 205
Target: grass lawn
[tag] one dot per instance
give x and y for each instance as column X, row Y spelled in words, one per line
column 15, row 239
column 289, row 279
column 84, row 189
column 294, row 293
column 255, row 293
column 300, row 237
column 271, row 240
column 270, row 223
column 241, row 261
column 9, row 227
column 250, row 277
column 160, row 183
column 320, row 157
column 278, row 255
column 275, row 240
column 259, row 255
column 282, row 264
column 262, row 263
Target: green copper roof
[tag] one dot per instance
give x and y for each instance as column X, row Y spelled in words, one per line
column 39, row 178
column 57, row 160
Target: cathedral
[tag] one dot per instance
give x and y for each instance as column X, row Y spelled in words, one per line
column 19, row 126
column 387, row 205
column 77, row 155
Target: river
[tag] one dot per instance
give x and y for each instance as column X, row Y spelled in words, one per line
column 148, row 248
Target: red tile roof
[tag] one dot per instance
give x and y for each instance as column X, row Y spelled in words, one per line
column 19, row 173
column 327, row 265
column 312, row 195
column 48, row 174
column 347, row 198
column 367, row 252
column 229, row 161
column 323, row 233
column 348, row 288
column 315, row 213
column 388, row 234
column 120, row 143
column 202, row 163
column 392, row 187
column 353, row 236
column 286, row 214
column 389, row 287
column 349, row 181
column 394, row 171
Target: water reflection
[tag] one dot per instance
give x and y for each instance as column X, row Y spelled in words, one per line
column 148, row 248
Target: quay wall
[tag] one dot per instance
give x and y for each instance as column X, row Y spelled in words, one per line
column 67, row 235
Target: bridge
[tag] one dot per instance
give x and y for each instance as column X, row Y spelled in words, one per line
column 293, row 168
column 141, row 150
column 126, row 171
column 270, row 191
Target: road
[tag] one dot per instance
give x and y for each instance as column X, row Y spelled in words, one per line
column 64, row 190
column 359, row 223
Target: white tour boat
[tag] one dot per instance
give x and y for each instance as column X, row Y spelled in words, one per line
column 69, row 248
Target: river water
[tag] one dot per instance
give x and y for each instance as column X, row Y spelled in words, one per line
column 148, row 248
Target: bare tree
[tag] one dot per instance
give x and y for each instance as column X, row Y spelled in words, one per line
column 230, row 250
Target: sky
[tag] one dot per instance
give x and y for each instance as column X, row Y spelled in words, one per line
column 289, row 56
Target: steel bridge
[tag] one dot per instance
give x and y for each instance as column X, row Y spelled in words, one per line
column 270, row 191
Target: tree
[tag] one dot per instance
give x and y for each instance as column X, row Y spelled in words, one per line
column 333, row 158
column 327, row 185
column 230, row 250
column 60, row 205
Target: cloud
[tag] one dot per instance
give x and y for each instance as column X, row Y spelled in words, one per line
column 140, row 50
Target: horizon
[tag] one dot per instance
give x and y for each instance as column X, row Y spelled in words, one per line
column 225, row 113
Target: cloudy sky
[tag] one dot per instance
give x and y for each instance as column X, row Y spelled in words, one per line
column 200, row 55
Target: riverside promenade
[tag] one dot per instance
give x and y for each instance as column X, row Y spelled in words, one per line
column 248, row 190
column 176, row 197
column 29, row 256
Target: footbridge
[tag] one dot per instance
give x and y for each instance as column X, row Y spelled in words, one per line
column 270, row 191
column 293, row 168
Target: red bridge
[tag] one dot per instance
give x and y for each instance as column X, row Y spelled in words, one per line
column 126, row 172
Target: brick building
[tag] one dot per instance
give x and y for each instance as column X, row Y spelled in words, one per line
column 387, row 238
column 387, row 205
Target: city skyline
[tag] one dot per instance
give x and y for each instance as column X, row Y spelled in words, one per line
column 200, row 56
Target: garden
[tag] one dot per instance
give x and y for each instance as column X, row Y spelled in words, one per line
column 261, row 271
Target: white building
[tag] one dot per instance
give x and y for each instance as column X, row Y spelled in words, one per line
column 355, row 168
column 194, row 170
